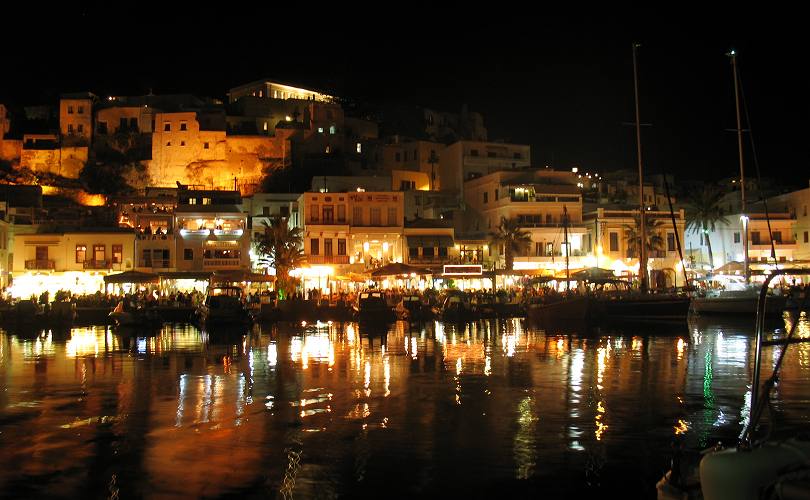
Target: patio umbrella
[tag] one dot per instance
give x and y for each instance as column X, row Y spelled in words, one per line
column 593, row 273
column 397, row 268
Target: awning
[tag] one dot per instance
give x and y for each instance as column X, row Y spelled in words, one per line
column 185, row 275
column 430, row 241
column 131, row 277
column 396, row 268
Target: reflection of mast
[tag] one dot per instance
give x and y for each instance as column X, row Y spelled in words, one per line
column 565, row 236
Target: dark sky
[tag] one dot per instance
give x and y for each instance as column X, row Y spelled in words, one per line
column 559, row 81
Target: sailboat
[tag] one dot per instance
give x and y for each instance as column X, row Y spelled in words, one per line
column 571, row 309
column 742, row 298
column 643, row 306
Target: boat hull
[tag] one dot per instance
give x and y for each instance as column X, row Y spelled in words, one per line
column 649, row 308
column 571, row 309
column 774, row 306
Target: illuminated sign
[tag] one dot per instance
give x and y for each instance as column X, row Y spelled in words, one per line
column 455, row 270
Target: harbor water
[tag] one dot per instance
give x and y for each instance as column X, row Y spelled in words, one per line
column 489, row 408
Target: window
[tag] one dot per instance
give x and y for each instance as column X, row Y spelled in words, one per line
column 147, row 258
column 102, row 128
column 117, row 254
column 473, row 152
column 341, row 213
column 81, row 253
column 357, row 216
column 413, row 252
column 314, row 245
column 264, row 126
column 81, row 110
column 188, row 254
column 167, row 127
column 70, row 110
column 517, row 156
column 407, row 185
column 806, row 236
column 375, row 217
column 206, row 201
column 320, row 130
column 777, row 236
column 327, row 246
column 133, row 124
column 205, row 145
column 332, row 130
column 392, row 217
column 490, row 154
column 42, row 254
column 486, row 197
column 70, row 128
column 99, row 253
column 396, row 157
column 341, row 246
column 183, row 126
column 80, row 128
column 496, row 195
column 405, row 156
column 755, row 237
column 805, row 210
column 736, row 237
column 614, row 242
column 169, row 143
column 427, row 252
column 538, row 249
column 670, row 242
column 313, row 216
column 192, row 201
column 122, row 124
column 328, row 214
column 359, row 147
column 182, row 143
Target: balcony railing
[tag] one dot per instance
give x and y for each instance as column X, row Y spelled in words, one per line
column 435, row 259
column 328, row 259
column 39, row 264
column 97, row 264
column 155, row 264
column 208, row 263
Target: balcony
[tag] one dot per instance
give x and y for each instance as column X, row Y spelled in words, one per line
column 39, row 264
column 219, row 263
column 97, row 264
column 327, row 259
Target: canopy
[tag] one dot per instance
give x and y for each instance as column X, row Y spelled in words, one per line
column 131, row 277
column 353, row 277
column 186, row 275
column 396, row 268
column 593, row 273
column 732, row 267
column 430, row 241
column 240, row 275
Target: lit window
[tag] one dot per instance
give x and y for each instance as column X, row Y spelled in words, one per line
column 261, row 94
column 359, row 148
column 264, row 126
column 288, row 118
column 332, row 130
column 206, row 201
column 320, row 130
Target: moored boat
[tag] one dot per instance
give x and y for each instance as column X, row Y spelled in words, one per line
column 223, row 304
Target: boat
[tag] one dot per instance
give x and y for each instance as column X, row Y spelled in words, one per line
column 372, row 307
column 738, row 301
column 771, row 466
column 412, row 308
column 223, row 304
column 124, row 316
column 456, row 307
column 563, row 308
column 483, row 306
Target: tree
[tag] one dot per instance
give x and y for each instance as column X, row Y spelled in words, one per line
column 704, row 212
column 632, row 236
column 513, row 239
column 280, row 247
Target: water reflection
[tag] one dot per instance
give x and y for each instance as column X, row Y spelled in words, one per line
column 330, row 410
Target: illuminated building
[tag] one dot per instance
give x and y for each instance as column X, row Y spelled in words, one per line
column 70, row 260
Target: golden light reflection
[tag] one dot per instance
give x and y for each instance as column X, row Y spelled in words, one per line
column 637, row 343
column 488, row 365
column 367, row 378
column 681, row 428
column 680, row 347
column 458, row 366
column 83, row 342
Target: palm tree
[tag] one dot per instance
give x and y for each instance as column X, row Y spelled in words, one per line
column 703, row 213
column 513, row 239
column 280, row 248
column 655, row 241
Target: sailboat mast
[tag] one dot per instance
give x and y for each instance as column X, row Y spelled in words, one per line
column 567, row 253
column 642, row 259
column 744, row 215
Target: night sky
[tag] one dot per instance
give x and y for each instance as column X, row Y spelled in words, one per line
column 557, row 81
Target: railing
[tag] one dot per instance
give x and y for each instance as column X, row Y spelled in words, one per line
column 153, row 237
column 220, row 263
column 39, row 264
column 319, row 222
column 97, row 264
column 155, row 264
column 327, row 259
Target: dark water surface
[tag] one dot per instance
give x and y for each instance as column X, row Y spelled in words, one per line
column 491, row 408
